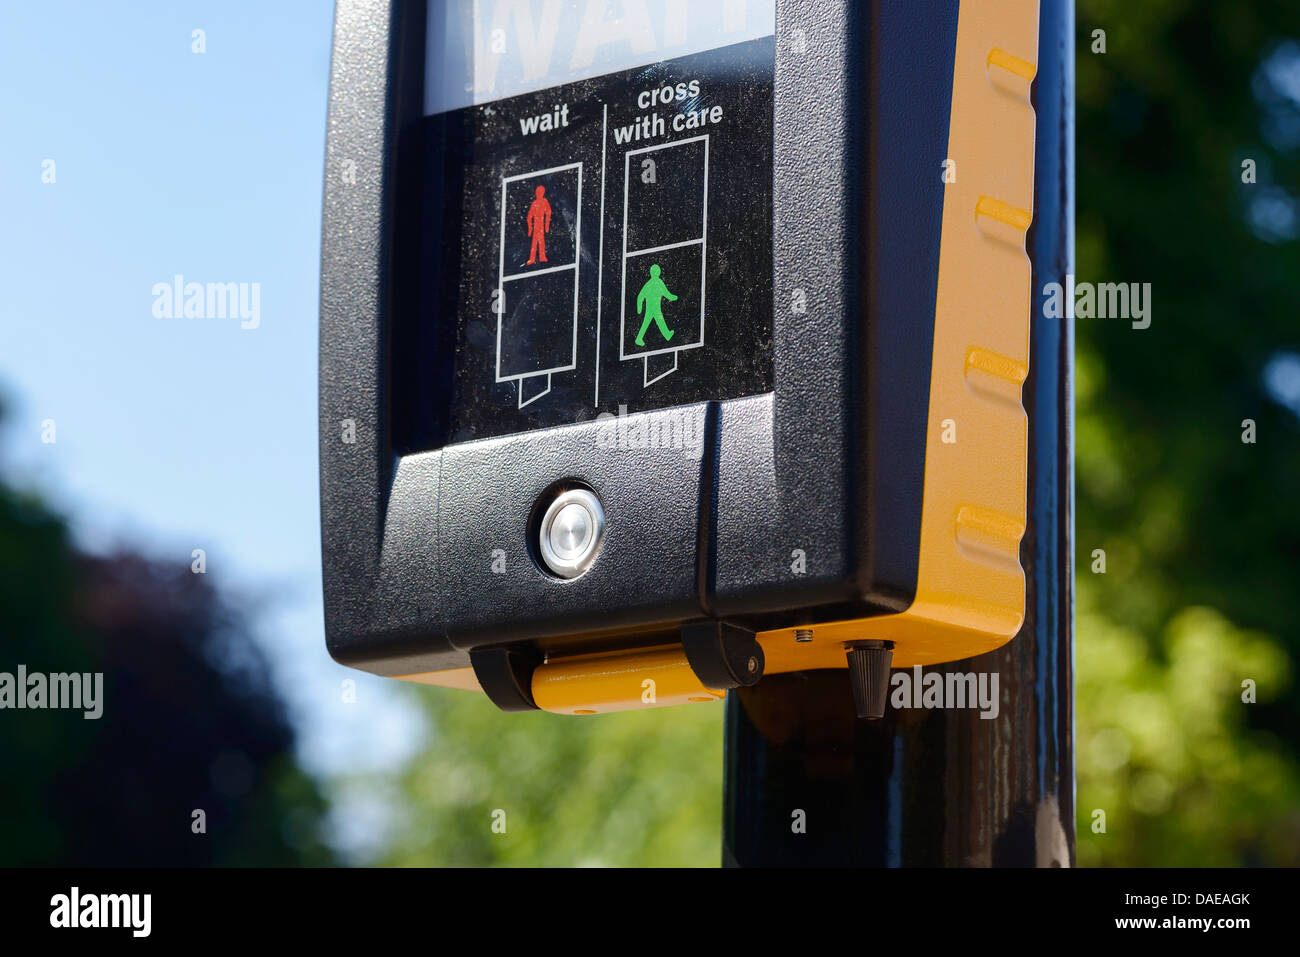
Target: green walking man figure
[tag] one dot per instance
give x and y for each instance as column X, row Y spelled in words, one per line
column 650, row 296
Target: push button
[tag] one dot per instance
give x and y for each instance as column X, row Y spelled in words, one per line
column 571, row 532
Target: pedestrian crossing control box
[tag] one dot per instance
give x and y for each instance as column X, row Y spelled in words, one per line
column 667, row 345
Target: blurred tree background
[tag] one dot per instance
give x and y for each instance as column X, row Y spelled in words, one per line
column 1201, row 530
column 189, row 720
column 637, row 788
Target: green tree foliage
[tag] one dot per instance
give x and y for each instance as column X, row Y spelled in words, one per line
column 635, row 788
column 1201, row 531
column 189, row 720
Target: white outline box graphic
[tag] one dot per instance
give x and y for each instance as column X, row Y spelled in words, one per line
column 503, row 279
column 701, row 241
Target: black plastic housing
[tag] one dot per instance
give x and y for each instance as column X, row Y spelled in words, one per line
column 830, row 465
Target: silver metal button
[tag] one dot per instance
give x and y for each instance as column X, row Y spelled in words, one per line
column 571, row 532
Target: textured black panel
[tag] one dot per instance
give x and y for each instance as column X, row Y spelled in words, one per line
column 910, row 73
column 828, row 476
column 379, row 569
column 645, row 570
column 785, row 487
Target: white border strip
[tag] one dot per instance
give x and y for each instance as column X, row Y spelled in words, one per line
column 702, row 241
column 502, row 279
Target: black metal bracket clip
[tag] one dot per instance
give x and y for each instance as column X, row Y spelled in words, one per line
column 506, row 675
column 722, row 654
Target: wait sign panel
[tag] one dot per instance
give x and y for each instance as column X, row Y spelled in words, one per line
column 603, row 194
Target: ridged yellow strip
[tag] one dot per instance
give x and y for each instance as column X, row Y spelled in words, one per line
column 1012, row 64
column 1002, row 212
column 1004, row 367
column 994, row 529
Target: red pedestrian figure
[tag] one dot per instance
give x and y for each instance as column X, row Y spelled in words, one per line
column 539, row 224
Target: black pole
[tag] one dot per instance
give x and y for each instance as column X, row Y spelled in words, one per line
column 817, row 785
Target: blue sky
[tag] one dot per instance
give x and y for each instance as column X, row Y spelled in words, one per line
column 173, row 433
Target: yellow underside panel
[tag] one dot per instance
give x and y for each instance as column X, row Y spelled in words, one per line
column 600, row 683
column 597, row 684
column 463, row 678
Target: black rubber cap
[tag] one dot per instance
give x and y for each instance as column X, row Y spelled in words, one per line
column 869, row 675
column 506, row 675
column 721, row 654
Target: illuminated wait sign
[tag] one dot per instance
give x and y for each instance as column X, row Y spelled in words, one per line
column 500, row 48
